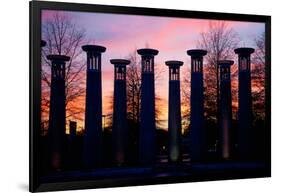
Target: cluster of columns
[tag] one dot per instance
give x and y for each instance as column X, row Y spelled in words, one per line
column 92, row 153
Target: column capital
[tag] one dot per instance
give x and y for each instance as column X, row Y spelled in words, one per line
column 94, row 48
column 147, row 51
column 120, row 68
column 174, row 63
column 244, row 51
column 58, row 58
column 120, row 62
column 225, row 63
column 196, row 52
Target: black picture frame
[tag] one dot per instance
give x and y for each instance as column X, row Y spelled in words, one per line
column 35, row 89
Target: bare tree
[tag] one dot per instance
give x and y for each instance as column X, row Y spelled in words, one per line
column 63, row 37
column 258, row 76
column 220, row 41
column 259, row 54
column 185, row 99
column 134, row 88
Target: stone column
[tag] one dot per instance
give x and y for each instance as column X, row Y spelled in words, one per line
column 57, row 114
column 92, row 153
column 147, row 113
column 174, row 119
column 120, row 130
column 197, row 129
column 245, row 142
column 225, row 104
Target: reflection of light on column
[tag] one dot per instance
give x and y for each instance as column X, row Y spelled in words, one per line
column 56, row 160
column 225, row 138
column 225, row 104
column 103, row 120
column 174, row 154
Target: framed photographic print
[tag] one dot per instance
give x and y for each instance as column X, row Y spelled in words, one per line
column 123, row 96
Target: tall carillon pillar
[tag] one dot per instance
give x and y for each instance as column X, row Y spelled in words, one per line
column 174, row 119
column 225, row 141
column 245, row 136
column 92, row 153
column 57, row 113
column 147, row 115
column 120, row 130
column 197, row 130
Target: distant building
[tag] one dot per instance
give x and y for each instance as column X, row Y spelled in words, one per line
column 43, row 43
column 72, row 129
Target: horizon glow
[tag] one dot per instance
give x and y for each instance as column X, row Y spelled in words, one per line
column 122, row 34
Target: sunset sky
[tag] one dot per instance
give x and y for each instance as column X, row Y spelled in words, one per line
column 122, row 34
